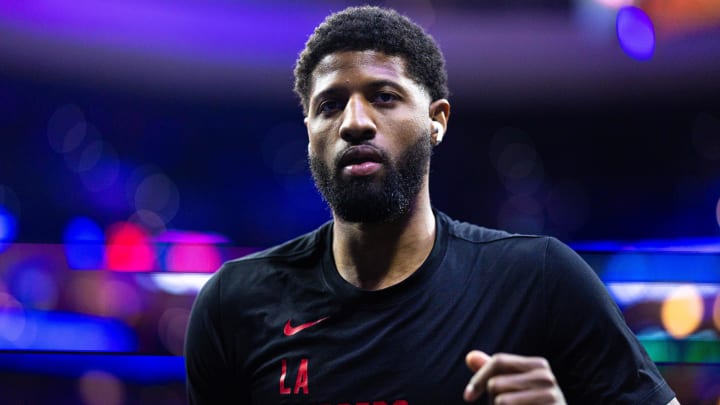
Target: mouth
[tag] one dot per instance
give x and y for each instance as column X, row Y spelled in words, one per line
column 361, row 160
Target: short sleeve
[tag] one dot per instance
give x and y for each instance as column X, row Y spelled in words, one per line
column 595, row 356
column 210, row 376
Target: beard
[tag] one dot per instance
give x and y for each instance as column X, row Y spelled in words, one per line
column 370, row 199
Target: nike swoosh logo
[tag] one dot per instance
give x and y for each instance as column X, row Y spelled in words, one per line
column 290, row 330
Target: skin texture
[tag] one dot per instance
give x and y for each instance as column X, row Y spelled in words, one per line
column 512, row 379
column 365, row 98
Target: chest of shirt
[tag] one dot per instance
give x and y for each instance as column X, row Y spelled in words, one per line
column 407, row 353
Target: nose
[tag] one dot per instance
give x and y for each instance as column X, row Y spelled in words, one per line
column 358, row 124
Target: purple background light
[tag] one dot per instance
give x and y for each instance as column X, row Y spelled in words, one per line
column 245, row 50
column 635, row 33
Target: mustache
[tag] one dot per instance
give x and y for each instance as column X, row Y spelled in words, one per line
column 360, row 153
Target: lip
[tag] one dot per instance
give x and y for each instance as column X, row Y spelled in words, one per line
column 360, row 161
column 355, row 155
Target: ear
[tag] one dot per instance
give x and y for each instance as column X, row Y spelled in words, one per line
column 307, row 128
column 439, row 113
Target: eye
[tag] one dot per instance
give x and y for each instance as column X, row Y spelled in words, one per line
column 385, row 97
column 328, row 106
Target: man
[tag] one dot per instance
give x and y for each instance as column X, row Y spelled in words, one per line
column 392, row 302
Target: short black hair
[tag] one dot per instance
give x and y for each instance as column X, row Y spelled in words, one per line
column 379, row 29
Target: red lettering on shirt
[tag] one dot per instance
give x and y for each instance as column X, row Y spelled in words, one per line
column 283, row 372
column 301, row 382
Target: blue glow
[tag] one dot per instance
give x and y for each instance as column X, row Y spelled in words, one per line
column 655, row 266
column 635, row 33
column 8, row 228
column 683, row 245
column 143, row 369
column 84, row 244
column 33, row 284
column 39, row 330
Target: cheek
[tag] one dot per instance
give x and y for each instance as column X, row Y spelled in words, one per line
column 410, row 132
column 315, row 145
column 319, row 147
column 321, row 142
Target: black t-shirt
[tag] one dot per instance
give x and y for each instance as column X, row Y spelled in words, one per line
column 283, row 327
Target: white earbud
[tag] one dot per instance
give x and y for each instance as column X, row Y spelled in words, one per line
column 438, row 129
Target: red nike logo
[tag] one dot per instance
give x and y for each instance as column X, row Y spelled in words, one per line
column 290, row 330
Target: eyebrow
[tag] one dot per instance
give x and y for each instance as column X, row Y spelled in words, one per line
column 374, row 85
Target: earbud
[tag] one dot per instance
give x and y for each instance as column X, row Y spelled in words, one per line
column 438, row 129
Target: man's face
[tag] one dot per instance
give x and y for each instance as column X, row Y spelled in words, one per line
column 369, row 130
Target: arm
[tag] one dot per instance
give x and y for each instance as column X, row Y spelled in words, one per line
column 512, row 379
column 588, row 350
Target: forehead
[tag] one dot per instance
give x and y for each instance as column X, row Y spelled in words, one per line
column 349, row 68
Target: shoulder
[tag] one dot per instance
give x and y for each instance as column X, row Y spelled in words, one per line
column 293, row 250
column 509, row 253
column 260, row 272
column 476, row 236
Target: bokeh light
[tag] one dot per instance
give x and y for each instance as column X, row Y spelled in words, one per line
column 150, row 190
column 129, row 248
column 34, row 285
column 615, row 3
column 99, row 387
column 9, row 216
column 177, row 284
column 104, row 171
column 171, row 329
column 12, row 321
column 17, row 330
column 193, row 257
column 682, row 311
column 85, row 153
column 716, row 312
column 284, row 149
column 149, row 220
column 8, row 228
column 66, row 128
column 119, row 299
column 159, row 194
column 102, row 295
column 191, row 251
column 84, row 240
column 520, row 168
column 635, row 33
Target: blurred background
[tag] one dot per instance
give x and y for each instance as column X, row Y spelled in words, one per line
column 143, row 142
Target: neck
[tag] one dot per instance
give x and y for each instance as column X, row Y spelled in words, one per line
column 379, row 255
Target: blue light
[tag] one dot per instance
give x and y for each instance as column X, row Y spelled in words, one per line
column 655, row 266
column 8, row 228
column 635, row 33
column 84, row 244
column 143, row 369
column 40, row 330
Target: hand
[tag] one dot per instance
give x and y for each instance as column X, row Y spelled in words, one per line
column 512, row 379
